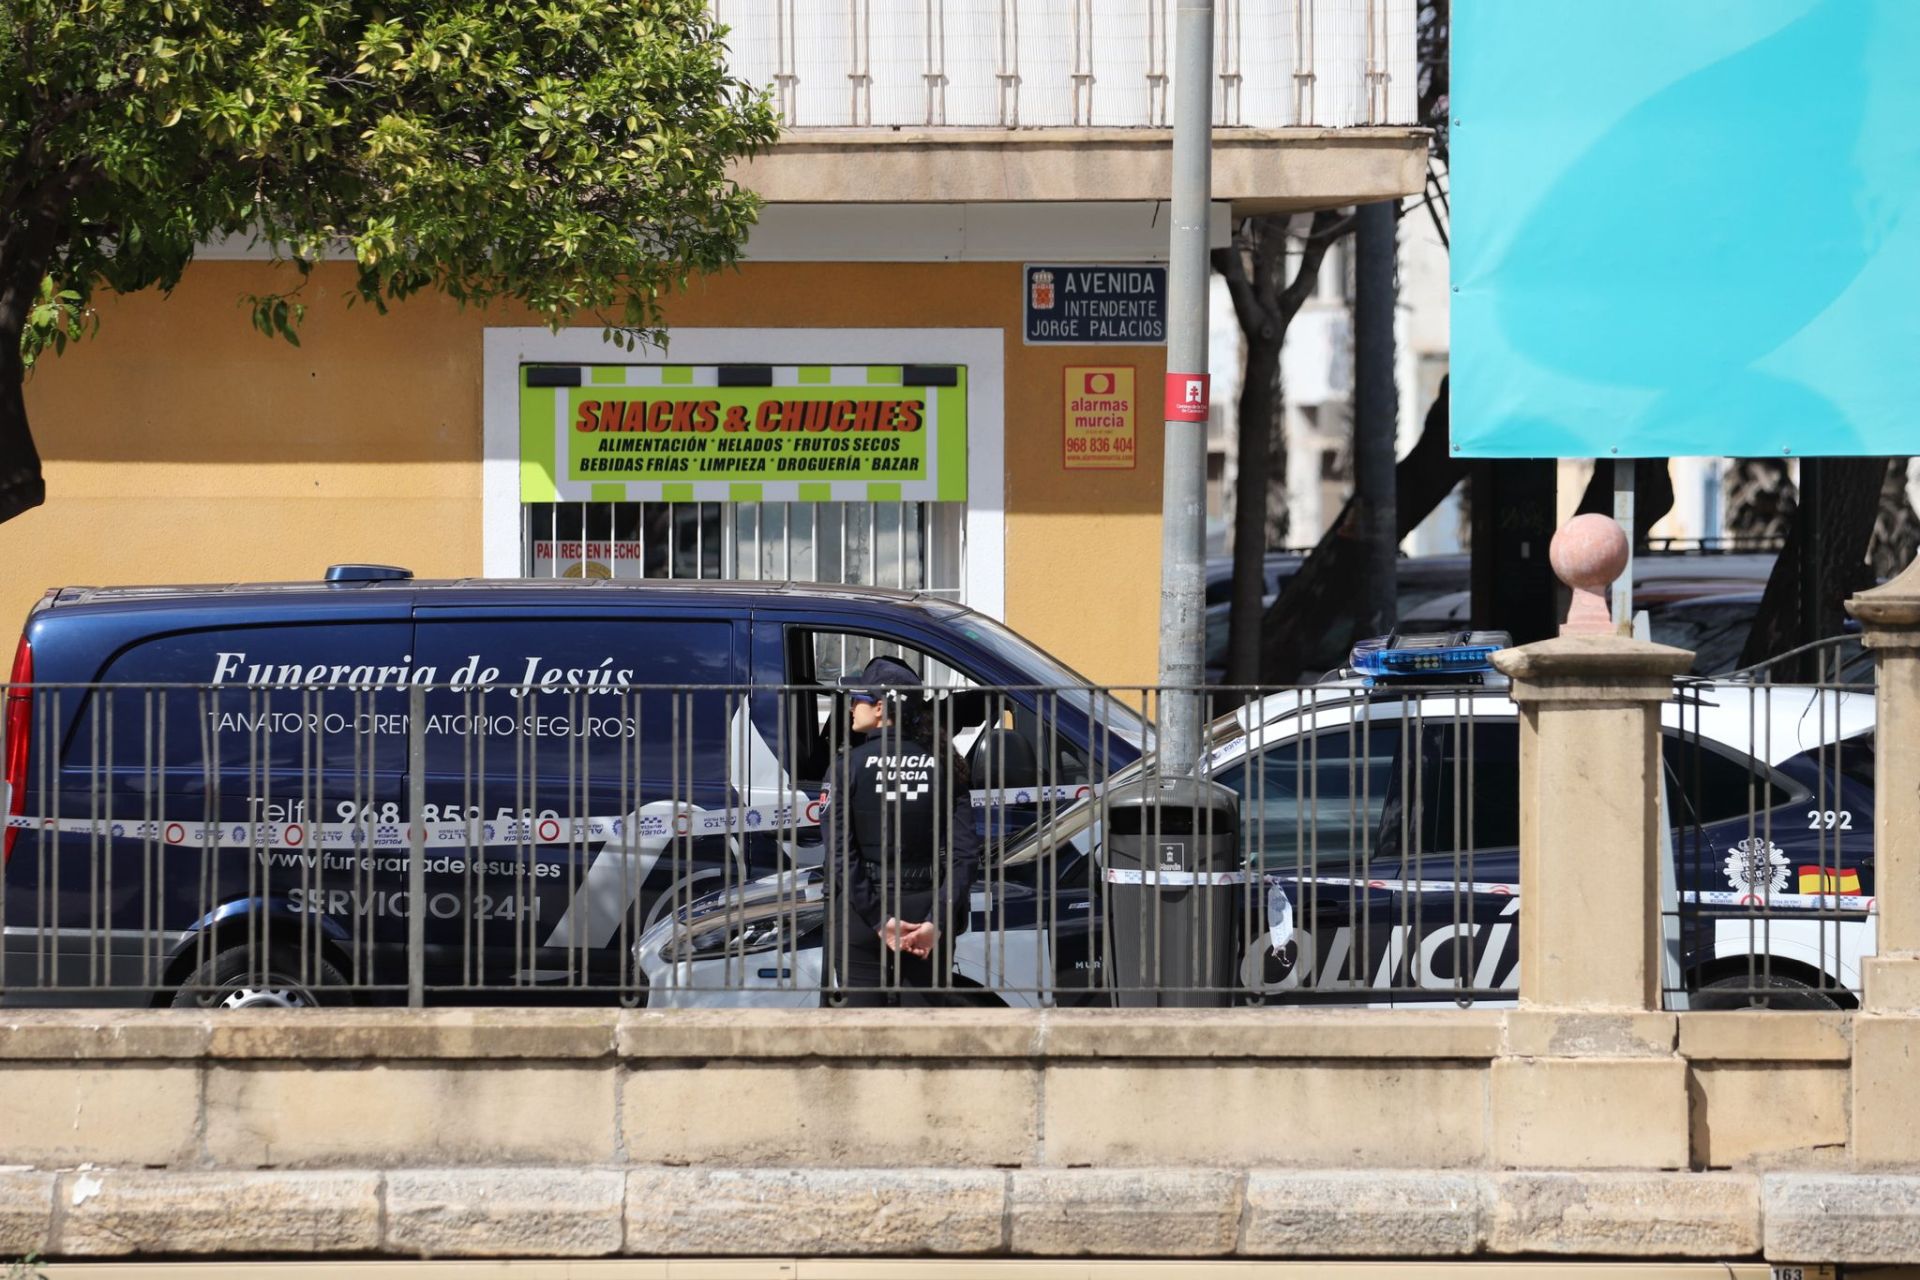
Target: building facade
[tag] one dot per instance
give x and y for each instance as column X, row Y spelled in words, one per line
column 939, row 160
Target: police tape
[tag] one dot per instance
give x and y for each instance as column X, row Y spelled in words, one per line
column 1163, row 876
column 370, row 835
column 684, row 821
column 1791, row 901
column 1175, row 877
column 1495, row 889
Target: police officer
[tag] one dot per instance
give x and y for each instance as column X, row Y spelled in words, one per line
column 901, row 849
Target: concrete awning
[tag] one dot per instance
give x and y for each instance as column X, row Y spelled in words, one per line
column 1255, row 170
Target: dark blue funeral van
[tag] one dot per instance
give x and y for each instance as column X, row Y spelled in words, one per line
column 218, row 795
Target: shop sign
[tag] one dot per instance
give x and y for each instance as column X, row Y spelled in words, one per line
column 575, row 558
column 1091, row 304
column 1099, row 418
column 664, row 433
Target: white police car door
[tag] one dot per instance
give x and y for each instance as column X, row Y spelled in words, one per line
column 1311, row 812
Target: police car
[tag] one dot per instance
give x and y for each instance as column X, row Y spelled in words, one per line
column 212, row 794
column 1380, row 834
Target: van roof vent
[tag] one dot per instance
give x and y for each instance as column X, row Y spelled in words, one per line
column 367, row 573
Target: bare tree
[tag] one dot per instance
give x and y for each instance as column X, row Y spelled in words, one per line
column 1316, row 617
column 1896, row 531
column 1266, row 298
column 1824, row 559
column 1760, row 497
column 1435, row 89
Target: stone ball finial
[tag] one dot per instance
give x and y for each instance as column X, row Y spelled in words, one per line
column 1587, row 554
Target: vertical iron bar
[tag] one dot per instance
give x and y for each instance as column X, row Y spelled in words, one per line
column 417, row 845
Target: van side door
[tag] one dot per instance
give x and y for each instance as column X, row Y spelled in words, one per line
column 582, row 752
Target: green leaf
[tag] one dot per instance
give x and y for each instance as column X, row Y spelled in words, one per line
column 388, row 126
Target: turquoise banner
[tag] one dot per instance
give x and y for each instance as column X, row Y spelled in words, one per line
column 1685, row 227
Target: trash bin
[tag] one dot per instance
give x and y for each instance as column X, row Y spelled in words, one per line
column 1173, row 877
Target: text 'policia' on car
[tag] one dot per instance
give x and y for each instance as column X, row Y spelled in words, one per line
column 1380, row 846
column 211, row 790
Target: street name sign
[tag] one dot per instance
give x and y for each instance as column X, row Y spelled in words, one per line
column 1090, row 304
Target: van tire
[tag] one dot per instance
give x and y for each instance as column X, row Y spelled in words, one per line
column 231, row 979
column 1757, row 992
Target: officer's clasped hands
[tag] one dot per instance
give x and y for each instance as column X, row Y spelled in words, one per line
column 914, row 939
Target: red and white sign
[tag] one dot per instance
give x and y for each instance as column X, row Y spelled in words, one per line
column 1187, row 397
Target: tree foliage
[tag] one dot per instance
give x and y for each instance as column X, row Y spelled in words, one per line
column 569, row 155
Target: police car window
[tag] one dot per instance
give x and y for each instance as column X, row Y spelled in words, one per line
column 1314, row 801
column 1712, row 786
column 1856, row 758
column 1473, row 798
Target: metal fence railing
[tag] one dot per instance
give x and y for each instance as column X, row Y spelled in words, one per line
column 266, row 844
column 1769, row 797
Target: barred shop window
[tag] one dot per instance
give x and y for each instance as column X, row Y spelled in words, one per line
column 909, row 546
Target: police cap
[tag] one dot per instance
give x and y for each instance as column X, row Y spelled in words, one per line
column 880, row 676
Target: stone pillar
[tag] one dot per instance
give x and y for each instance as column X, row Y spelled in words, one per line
column 1890, row 615
column 1590, row 790
column 1590, row 923
column 1589, row 1075
column 1886, row 1037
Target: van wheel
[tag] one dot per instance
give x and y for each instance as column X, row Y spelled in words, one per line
column 233, row 979
column 1757, row 992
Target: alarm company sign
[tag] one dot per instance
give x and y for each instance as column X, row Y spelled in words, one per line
column 1090, row 304
column 1098, row 425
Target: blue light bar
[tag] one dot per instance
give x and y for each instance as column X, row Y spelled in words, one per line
column 1462, row 657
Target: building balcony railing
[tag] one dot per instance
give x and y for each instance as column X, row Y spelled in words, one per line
column 1072, row 63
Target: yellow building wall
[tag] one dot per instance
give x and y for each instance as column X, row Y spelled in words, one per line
column 182, row 446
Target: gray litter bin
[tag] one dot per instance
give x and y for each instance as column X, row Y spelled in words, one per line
column 1173, row 877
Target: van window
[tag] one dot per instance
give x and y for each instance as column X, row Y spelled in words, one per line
column 271, row 709
column 587, row 702
column 821, row 657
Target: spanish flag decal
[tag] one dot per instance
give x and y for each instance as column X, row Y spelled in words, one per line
column 1829, row 880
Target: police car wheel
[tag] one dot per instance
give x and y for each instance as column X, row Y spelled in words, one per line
column 1758, row 992
column 233, row 979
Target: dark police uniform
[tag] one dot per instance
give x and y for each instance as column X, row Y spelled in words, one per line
column 900, row 843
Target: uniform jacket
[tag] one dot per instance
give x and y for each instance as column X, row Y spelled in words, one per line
column 894, row 811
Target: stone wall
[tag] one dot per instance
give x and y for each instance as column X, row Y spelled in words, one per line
column 1252, row 1133
column 1580, row 1124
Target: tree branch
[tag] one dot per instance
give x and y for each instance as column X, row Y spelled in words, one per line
column 1268, row 249
column 1233, row 269
column 1327, row 227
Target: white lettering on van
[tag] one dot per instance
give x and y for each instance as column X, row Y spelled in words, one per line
column 469, row 676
